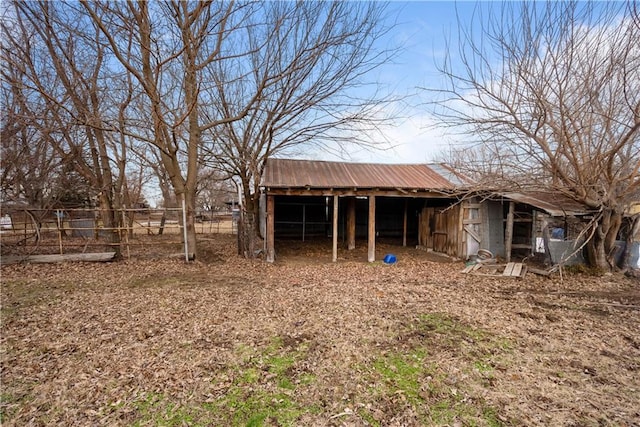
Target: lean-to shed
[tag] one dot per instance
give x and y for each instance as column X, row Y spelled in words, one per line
column 529, row 222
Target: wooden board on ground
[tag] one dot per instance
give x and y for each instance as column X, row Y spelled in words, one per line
column 545, row 273
column 511, row 269
column 90, row 257
column 471, row 268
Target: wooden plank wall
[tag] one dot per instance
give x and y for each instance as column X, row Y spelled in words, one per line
column 425, row 236
column 439, row 229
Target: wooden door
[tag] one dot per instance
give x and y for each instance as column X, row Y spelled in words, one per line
column 472, row 233
column 439, row 229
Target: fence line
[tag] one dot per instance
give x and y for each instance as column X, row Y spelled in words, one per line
column 34, row 231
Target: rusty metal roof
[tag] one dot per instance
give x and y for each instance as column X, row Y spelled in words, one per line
column 555, row 204
column 288, row 173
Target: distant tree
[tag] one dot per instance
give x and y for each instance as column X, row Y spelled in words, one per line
column 150, row 159
column 549, row 96
column 215, row 190
column 70, row 190
column 27, row 164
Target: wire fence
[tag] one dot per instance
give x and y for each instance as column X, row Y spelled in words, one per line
column 26, row 231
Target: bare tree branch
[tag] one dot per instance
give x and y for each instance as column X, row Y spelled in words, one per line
column 551, row 95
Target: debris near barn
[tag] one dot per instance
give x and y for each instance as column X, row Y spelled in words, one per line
column 510, row 269
column 43, row 259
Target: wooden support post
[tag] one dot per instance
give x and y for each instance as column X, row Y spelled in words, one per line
column 335, row 229
column 420, row 228
column 546, row 238
column 126, row 233
column 372, row 229
column 351, row 223
column 304, row 220
column 404, row 223
column 60, row 225
column 508, row 233
column 461, row 245
column 270, row 231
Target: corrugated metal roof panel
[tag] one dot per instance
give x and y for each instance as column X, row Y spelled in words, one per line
column 553, row 203
column 288, row 173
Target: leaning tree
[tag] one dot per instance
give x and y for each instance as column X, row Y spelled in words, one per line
column 549, row 97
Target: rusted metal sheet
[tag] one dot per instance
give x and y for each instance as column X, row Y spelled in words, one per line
column 553, row 203
column 287, row 173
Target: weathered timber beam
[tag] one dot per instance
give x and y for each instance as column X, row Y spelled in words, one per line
column 372, row 229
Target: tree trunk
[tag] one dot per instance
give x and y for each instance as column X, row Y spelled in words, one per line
column 601, row 248
column 163, row 220
column 248, row 231
column 190, row 225
column 596, row 253
column 110, row 223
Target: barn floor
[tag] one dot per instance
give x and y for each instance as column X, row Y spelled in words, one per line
column 320, row 251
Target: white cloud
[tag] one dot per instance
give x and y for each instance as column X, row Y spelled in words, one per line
column 408, row 140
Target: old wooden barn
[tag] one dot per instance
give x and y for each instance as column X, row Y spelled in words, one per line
column 414, row 204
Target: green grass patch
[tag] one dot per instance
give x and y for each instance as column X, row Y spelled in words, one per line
column 18, row 295
column 449, row 328
column 241, row 407
column 262, row 389
column 156, row 409
column 483, row 367
column 402, row 373
column 264, row 386
column 414, row 379
column 6, row 401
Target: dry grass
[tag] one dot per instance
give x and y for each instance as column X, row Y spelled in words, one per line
column 227, row 341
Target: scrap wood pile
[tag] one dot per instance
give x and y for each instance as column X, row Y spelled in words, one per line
column 485, row 264
column 490, row 268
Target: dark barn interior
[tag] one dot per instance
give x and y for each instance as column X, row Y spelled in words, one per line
column 311, row 217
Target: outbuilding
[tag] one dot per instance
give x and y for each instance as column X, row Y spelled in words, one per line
column 419, row 204
column 430, row 206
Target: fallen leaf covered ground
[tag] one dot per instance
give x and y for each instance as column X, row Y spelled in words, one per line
column 227, row 341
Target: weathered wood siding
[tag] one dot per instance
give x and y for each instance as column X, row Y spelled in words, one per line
column 440, row 228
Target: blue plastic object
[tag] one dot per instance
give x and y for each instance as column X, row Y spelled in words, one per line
column 389, row 259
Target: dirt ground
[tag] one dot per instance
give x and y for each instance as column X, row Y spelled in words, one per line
column 227, row 341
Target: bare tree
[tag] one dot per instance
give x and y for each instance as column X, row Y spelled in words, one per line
column 551, row 94
column 236, row 83
column 215, row 190
column 166, row 47
column 28, row 164
column 306, row 83
column 62, row 60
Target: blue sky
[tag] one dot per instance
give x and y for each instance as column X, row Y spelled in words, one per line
column 421, row 33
